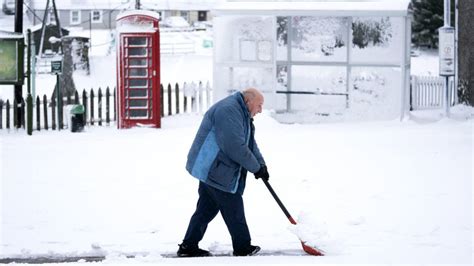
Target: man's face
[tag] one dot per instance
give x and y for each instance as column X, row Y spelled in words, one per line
column 255, row 105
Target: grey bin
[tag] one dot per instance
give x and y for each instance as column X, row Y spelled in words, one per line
column 77, row 118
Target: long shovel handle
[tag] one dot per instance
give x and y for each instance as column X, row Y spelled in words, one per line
column 308, row 249
column 277, row 199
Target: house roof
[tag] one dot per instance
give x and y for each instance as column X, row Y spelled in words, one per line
column 316, row 8
column 130, row 4
column 138, row 12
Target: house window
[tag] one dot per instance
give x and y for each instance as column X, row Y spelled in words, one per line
column 75, row 17
column 96, row 16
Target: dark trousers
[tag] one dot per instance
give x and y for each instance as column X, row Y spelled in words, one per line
column 231, row 206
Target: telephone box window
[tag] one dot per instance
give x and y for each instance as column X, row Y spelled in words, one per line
column 138, row 62
column 137, row 83
column 138, row 93
column 138, row 72
column 137, row 51
column 138, row 103
column 138, row 113
column 138, row 41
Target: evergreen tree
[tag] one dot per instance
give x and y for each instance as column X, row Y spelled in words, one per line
column 427, row 19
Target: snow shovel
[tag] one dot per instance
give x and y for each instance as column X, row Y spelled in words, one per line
column 310, row 250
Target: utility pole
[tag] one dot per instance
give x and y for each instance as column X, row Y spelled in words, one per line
column 18, row 88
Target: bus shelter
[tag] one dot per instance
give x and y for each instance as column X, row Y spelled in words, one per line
column 321, row 60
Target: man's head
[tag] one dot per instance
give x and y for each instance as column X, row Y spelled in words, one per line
column 254, row 101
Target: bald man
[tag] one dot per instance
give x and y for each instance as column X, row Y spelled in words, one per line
column 223, row 150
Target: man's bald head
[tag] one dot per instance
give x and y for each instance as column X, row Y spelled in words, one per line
column 254, row 100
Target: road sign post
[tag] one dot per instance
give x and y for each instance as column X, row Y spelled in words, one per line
column 57, row 69
column 446, row 59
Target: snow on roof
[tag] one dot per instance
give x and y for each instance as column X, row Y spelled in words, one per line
column 140, row 12
column 121, row 4
column 82, row 4
column 10, row 35
column 316, row 8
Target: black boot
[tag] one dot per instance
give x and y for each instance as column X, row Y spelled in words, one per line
column 250, row 251
column 191, row 251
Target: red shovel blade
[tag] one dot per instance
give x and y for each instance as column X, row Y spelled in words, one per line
column 312, row 250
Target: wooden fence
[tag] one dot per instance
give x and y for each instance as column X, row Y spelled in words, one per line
column 430, row 92
column 100, row 106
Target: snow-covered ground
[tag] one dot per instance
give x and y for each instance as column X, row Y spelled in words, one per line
column 377, row 192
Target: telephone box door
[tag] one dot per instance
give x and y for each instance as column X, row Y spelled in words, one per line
column 140, row 95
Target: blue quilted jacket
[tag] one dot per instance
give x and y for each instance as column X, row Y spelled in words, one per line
column 224, row 148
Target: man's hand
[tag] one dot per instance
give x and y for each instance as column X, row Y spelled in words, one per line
column 262, row 173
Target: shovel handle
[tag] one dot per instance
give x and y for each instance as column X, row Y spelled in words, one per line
column 277, row 199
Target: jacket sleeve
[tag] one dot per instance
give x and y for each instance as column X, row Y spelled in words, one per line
column 230, row 135
column 256, row 152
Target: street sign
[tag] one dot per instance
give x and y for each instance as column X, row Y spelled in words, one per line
column 446, row 51
column 57, row 67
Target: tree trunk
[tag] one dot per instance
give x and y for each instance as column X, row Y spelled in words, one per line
column 466, row 51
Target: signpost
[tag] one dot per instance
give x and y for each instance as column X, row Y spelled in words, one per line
column 57, row 69
column 447, row 66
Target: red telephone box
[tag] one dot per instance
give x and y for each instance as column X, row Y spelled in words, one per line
column 138, row 69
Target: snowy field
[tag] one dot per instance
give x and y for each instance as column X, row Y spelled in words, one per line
column 367, row 193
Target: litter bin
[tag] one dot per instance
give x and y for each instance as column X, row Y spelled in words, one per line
column 77, row 118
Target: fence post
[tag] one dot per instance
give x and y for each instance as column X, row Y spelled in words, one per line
column 60, row 114
column 99, row 95
column 53, row 113
column 169, row 99
column 29, row 114
column 38, row 113
column 162, row 101
column 176, row 91
column 115, row 105
column 412, row 90
column 15, row 113
column 107, row 106
column 185, row 98
column 84, row 102
column 76, row 97
column 8, row 114
column 45, row 111
column 92, row 107
column 23, row 113
column 1, row 114
column 193, row 97
column 201, row 89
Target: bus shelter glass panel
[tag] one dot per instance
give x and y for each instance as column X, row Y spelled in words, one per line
column 376, row 91
column 245, row 77
column 321, row 39
column 244, row 38
column 317, row 89
column 282, row 38
column 377, row 40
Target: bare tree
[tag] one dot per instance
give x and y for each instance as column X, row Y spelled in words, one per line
column 466, row 51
